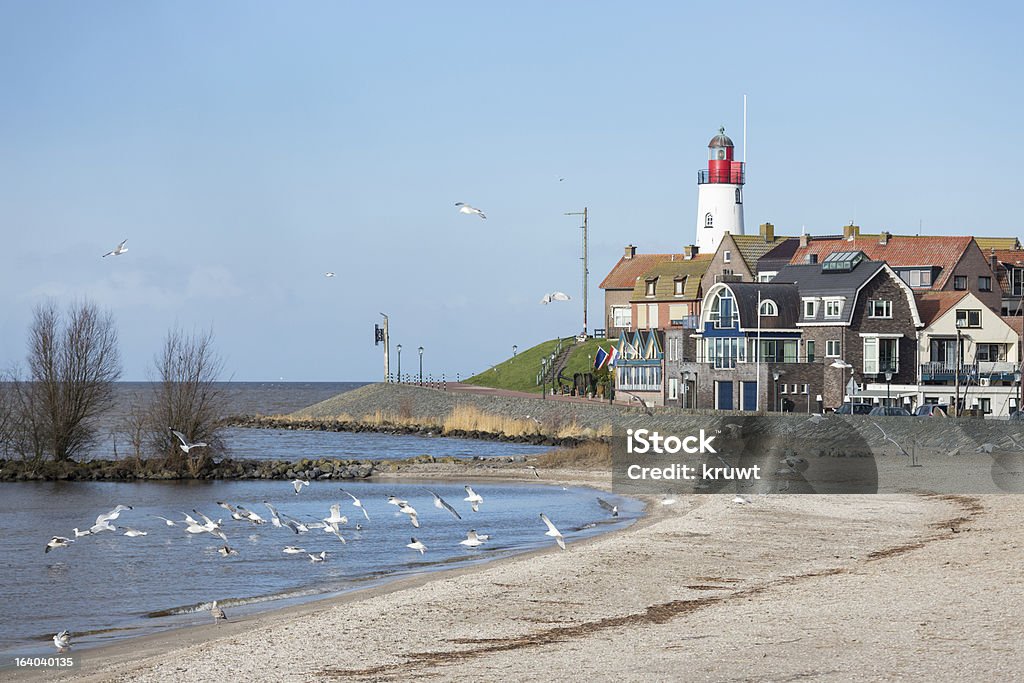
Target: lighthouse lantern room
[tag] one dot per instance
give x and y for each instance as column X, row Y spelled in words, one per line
column 719, row 194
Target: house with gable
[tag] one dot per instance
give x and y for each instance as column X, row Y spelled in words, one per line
column 622, row 279
column 639, row 366
column 736, row 258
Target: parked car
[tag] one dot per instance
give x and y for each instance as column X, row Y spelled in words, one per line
column 1017, row 416
column 854, row 409
column 889, row 411
column 932, row 410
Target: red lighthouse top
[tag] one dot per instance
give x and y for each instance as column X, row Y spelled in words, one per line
column 721, row 166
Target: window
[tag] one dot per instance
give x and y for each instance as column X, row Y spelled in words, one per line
column 776, row 350
column 968, row 318
column 810, row 308
column 739, row 196
column 880, row 309
column 652, row 316
column 727, row 256
column 652, row 284
column 673, row 388
column 723, row 311
column 724, row 352
column 809, row 345
column 984, row 283
column 1017, row 281
column 917, row 277
column 986, row 405
column 960, row 282
column 621, row 316
column 833, row 349
column 991, row 352
column 708, row 220
column 767, row 277
column 794, row 389
column 768, row 307
column 782, row 388
column 881, row 354
column 677, row 286
column 833, row 308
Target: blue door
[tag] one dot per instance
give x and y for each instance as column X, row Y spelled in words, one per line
column 724, row 396
column 749, row 396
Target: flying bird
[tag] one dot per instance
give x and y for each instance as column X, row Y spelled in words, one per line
column 57, row 542
column 395, row 500
column 407, row 509
column 319, row 557
column 472, row 540
column 890, row 439
column 441, row 504
column 647, row 408
column 168, row 522
column 185, row 445
column 226, row 550
column 62, row 641
column 328, row 274
column 552, row 531
column 132, row 533
column 293, row 550
column 357, row 503
column 118, row 250
column 297, row 484
column 417, row 545
column 613, row 509
column 467, row 209
column 555, row 296
column 474, row 499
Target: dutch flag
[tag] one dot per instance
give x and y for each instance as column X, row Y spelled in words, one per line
column 613, row 356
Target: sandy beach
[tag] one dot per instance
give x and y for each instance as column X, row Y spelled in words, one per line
column 784, row 588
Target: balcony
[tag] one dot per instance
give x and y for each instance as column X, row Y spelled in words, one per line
column 944, row 371
column 736, row 175
column 689, row 322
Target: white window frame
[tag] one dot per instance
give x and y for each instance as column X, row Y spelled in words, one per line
column 617, row 316
column 886, row 305
column 651, row 287
column 769, row 308
column 833, row 348
column 967, row 317
column 813, row 303
column 726, row 256
column 872, row 360
column 833, row 308
column 678, row 285
column 673, row 388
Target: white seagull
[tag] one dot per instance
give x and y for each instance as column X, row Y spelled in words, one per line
column 62, row 640
column 614, row 509
column 407, row 509
column 320, row 557
column 533, row 468
column 113, row 514
column 227, row 550
column 297, row 484
column 552, row 531
column 467, row 209
column 58, row 542
column 554, row 296
column 185, row 445
column 417, row 545
column 394, row 500
column 740, row 500
column 217, row 613
column 132, row 533
column 293, row 550
column 250, row 516
column 168, row 522
column 441, row 504
column 79, row 534
column 471, row 540
column 474, row 499
column 328, row 274
column 274, row 519
column 118, row 250
column 357, row 503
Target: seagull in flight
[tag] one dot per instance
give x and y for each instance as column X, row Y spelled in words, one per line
column 168, row 522
column 132, row 533
column 471, row 540
column 647, row 408
column 552, row 531
column 118, row 250
column 555, row 296
column 319, row 557
column 62, row 641
column 614, row 509
column 467, row 209
column 417, row 545
column 441, row 504
column 474, row 499
column 329, row 274
column 185, row 445
column 58, row 542
column 888, row 438
column 395, row 500
column 297, row 484
column 405, row 508
column 357, row 503
column 227, row 550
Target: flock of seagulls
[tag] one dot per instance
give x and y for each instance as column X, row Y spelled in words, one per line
column 198, row 523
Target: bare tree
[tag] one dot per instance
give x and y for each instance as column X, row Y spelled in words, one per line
column 188, row 399
column 73, row 362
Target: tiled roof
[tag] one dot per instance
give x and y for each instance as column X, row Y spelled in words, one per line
column 666, row 272
column 933, row 305
column 753, row 247
column 627, row 270
column 1014, row 321
column 900, row 250
column 988, row 243
column 785, row 296
column 811, row 281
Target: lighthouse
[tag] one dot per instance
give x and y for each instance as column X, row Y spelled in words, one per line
column 719, row 194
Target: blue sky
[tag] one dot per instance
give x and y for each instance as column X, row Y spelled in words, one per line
column 245, row 148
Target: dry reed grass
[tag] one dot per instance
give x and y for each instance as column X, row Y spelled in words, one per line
column 586, row 456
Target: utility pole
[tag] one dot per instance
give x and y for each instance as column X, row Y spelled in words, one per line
column 585, row 258
column 380, row 334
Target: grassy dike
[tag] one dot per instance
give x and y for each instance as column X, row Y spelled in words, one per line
column 519, row 373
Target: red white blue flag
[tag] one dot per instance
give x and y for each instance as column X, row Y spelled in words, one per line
column 600, row 358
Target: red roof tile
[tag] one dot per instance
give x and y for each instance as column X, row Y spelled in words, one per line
column 901, row 250
column 932, row 305
column 627, row 270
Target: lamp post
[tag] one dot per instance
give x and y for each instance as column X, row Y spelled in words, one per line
column 551, row 364
column 514, row 349
column 888, row 386
column 960, row 323
column 686, row 388
column 399, row 349
column 775, row 376
column 543, row 378
column 841, row 364
column 421, row 366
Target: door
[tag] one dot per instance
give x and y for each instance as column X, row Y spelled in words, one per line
column 749, row 397
column 723, row 395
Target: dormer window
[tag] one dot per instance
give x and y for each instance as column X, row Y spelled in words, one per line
column 768, row 307
column 678, row 286
column 810, row 308
column 651, row 286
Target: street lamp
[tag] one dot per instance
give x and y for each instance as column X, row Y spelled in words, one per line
column 841, row 364
column 421, row 366
column 514, row 349
column 543, row 378
column 551, row 364
column 775, row 376
column 399, row 349
column 686, row 388
column 888, row 385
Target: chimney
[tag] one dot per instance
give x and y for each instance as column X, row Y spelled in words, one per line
column 805, row 239
column 630, row 251
column 768, row 232
column 884, row 237
column 993, row 261
column 689, row 251
column 851, row 230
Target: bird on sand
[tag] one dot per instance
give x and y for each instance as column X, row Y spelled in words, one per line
column 552, row 531
column 118, row 250
column 62, row 641
column 471, row 540
column 441, row 504
column 554, row 296
column 740, row 500
column 357, row 503
column 58, row 542
column 217, row 613
column 474, row 499
column 297, row 484
column 467, row 209
column 417, row 545
column 613, row 509
column 185, row 444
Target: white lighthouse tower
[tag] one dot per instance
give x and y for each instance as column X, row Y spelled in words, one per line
column 719, row 194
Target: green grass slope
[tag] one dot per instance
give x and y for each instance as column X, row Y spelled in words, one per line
column 520, row 372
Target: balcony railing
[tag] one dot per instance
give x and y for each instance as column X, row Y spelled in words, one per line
column 736, row 175
column 999, row 371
